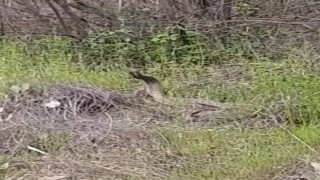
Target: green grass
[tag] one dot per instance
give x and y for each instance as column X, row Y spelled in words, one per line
column 224, row 154
column 236, row 154
column 52, row 66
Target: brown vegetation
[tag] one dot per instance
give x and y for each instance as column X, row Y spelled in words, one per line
column 77, row 18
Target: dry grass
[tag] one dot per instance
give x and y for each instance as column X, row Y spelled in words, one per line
column 92, row 133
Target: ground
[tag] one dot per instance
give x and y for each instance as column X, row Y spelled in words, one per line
column 276, row 126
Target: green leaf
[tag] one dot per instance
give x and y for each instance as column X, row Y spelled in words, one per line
column 25, row 87
column 15, row 89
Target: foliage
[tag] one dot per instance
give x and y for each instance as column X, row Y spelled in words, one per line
column 175, row 45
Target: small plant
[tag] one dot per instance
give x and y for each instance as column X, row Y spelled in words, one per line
column 49, row 142
column 16, row 89
column 107, row 48
column 178, row 45
column 246, row 9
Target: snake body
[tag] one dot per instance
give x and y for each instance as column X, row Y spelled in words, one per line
column 154, row 89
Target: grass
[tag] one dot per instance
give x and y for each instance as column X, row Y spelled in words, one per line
column 203, row 154
column 237, row 154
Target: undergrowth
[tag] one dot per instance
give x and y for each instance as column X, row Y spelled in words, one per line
column 188, row 70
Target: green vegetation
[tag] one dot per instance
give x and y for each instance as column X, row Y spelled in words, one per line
column 287, row 87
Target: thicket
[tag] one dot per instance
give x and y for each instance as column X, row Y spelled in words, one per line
column 140, row 33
